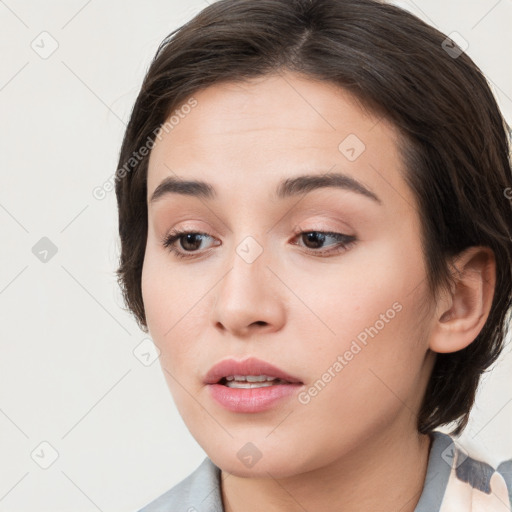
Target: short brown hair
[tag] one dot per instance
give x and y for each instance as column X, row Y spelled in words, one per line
column 455, row 144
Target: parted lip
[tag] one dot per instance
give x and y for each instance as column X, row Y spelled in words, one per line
column 249, row 366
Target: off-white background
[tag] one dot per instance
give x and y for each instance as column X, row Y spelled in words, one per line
column 69, row 375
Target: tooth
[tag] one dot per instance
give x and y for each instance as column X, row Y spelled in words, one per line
column 248, row 385
column 256, row 378
column 252, row 379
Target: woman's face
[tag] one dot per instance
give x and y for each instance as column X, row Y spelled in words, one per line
column 339, row 309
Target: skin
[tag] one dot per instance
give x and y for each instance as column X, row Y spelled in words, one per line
column 355, row 445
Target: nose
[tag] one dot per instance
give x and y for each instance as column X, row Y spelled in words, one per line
column 250, row 297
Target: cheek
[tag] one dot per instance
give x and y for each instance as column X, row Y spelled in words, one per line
column 373, row 335
column 374, row 280
column 175, row 304
column 160, row 293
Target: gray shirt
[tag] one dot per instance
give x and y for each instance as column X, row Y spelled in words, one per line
column 454, row 481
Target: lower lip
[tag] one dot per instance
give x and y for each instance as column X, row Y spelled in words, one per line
column 253, row 399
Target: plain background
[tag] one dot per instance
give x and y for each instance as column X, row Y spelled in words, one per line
column 72, row 371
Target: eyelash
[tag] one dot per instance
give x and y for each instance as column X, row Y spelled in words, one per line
column 344, row 243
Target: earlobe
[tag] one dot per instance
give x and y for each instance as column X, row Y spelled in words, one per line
column 464, row 309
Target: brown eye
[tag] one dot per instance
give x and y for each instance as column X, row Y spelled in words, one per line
column 189, row 241
column 314, row 240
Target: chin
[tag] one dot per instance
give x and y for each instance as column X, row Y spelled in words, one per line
column 262, row 469
column 249, row 463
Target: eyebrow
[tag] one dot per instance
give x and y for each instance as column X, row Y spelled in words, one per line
column 289, row 187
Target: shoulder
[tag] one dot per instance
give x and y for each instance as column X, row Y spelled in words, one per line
column 457, row 481
column 505, row 470
column 198, row 492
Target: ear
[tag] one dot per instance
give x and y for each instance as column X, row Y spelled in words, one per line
column 462, row 311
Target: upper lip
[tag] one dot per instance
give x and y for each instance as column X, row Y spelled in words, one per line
column 249, row 366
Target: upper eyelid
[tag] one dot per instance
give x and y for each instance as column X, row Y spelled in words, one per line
column 296, row 230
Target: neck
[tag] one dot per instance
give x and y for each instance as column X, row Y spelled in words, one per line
column 387, row 474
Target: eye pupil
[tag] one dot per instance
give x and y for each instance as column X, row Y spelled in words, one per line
column 189, row 238
column 316, row 238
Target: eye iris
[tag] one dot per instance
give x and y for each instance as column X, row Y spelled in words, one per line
column 189, row 238
column 316, row 238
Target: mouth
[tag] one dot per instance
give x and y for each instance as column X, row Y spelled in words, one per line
column 247, row 373
column 251, row 381
column 250, row 385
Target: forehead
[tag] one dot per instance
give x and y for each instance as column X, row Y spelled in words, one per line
column 247, row 136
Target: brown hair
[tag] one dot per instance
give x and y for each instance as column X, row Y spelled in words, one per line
column 455, row 142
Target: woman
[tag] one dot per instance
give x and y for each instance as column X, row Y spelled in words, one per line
column 314, row 231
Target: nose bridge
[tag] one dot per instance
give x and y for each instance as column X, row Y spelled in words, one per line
column 250, row 250
column 249, row 272
column 246, row 294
